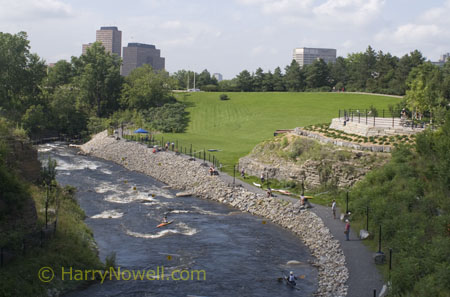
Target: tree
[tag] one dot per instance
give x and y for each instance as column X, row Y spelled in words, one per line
column 145, row 88
column 35, row 120
column 293, row 79
column 258, row 80
column 21, row 74
column 66, row 118
column 278, row 80
column 98, row 76
column 245, row 81
column 424, row 92
column 60, row 74
column 267, row 85
column 203, row 79
column 339, row 72
column 317, row 74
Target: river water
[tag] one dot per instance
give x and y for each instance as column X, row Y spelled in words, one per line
column 241, row 254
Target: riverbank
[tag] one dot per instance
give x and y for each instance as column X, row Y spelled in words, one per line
column 192, row 177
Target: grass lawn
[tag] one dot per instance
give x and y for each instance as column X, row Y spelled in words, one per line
column 235, row 126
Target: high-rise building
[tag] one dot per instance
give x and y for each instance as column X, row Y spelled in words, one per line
column 85, row 47
column 218, row 76
column 111, row 39
column 443, row 59
column 138, row 54
column 306, row 56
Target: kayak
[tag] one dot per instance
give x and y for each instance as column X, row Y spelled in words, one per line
column 164, row 224
column 258, row 185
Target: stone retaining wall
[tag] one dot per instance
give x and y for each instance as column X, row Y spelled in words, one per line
column 343, row 143
column 190, row 176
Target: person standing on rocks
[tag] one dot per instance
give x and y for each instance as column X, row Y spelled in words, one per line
column 347, row 230
column 262, row 178
column 333, row 208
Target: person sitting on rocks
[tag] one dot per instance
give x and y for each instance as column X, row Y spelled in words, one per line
column 269, row 192
column 211, row 170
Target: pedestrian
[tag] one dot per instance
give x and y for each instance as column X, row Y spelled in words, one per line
column 173, row 146
column 243, row 173
column 262, row 178
column 347, row 230
column 333, row 208
column 269, row 193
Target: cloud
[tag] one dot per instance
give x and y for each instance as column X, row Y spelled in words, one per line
column 359, row 12
column 30, row 10
column 428, row 32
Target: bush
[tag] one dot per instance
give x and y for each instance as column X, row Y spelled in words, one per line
column 224, row 97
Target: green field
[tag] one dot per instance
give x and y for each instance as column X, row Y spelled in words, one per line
column 237, row 125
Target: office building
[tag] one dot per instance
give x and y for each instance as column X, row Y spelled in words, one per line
column 111, row 39
column 138, row 54
column 218, row 76
column 306, row 56
column 444, row 58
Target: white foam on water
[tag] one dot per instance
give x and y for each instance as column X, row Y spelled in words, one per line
column 181, row 228
column 106, row 171
column 46, row 147
column 294, row 262
column 206, row 212
column 80, row 164
column 180, row 211
column 108, row 214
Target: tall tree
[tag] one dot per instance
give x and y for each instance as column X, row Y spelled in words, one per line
column 21, row 74
column 60, row 74
column 267, row 85
column 293, row 79
column 317, row 74
column 145, row 88
column 100, row 80
column 258, row 80
column 245, row 81
column 278, row 80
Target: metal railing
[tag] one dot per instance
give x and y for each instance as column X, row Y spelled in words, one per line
column 382, row 118
column 177, row 147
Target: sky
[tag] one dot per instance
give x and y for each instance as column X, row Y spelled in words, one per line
column 228, row 36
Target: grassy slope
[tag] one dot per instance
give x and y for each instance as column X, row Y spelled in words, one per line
column 237, row 125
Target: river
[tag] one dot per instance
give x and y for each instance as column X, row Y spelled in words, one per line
column 241, row 254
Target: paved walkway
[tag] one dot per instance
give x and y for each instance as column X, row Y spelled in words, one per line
column 363, row 274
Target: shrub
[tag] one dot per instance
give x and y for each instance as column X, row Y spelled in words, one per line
column 224, row 97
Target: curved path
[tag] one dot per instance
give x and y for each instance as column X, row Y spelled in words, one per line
column 364, row 276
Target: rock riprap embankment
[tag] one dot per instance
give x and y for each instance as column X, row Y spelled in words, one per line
column 191, row 177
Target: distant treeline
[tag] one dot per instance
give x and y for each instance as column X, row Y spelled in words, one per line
column 369, row 71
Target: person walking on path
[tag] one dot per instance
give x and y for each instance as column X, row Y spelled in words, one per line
column 347, row 230
column 333, row 208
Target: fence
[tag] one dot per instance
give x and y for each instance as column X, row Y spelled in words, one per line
column 383, row 118
column 177, row 147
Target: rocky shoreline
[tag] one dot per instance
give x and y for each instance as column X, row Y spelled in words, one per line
column 192, row 177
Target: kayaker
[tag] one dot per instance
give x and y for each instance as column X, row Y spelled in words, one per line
column 165, row 219
column 291, row 279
